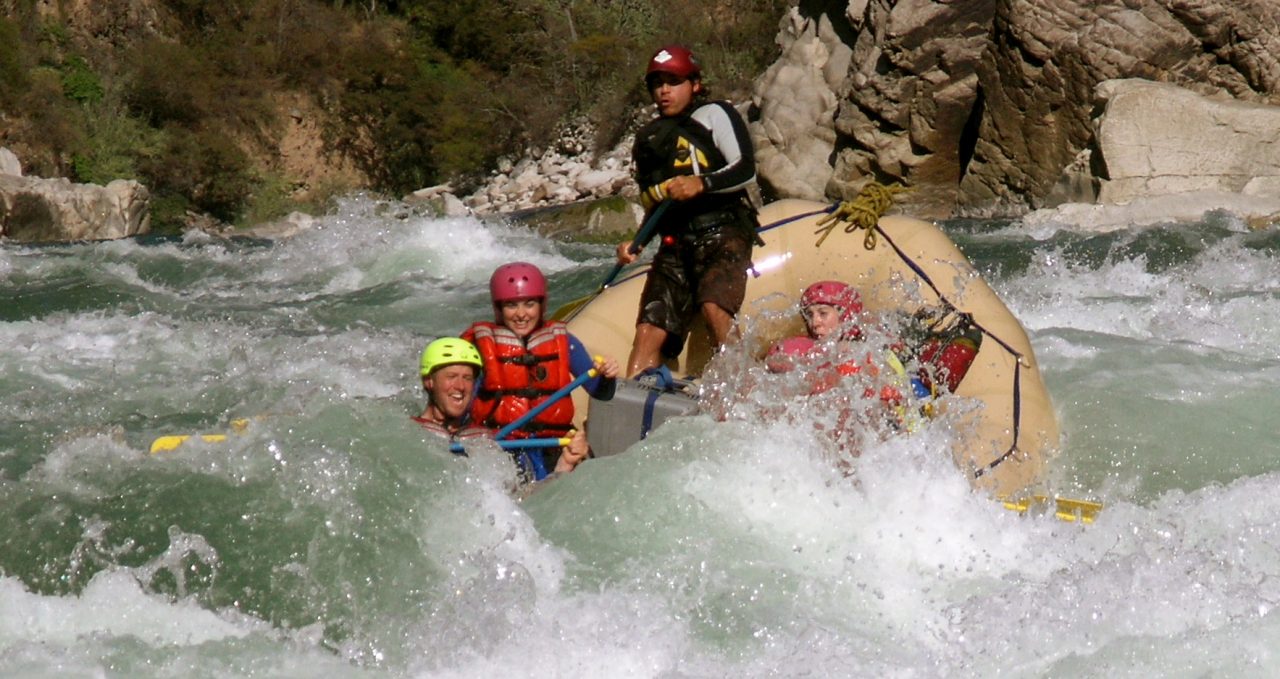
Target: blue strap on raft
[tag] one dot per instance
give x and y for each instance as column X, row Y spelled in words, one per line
column 662, row 382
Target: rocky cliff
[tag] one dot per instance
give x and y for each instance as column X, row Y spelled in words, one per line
column 990, row 107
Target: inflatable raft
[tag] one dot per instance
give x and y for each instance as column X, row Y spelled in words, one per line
column 899, row 264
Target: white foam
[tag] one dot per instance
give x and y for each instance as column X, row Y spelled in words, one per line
column 1183, row 207
column 112, row 604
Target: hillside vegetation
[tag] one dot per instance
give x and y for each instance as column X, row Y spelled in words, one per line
column 194, row 98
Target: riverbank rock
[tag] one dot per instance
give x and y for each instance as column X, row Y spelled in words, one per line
column 566, row 172
column 794, row 134
column 9, row 163
column 1047, row 56
column 1257, row 212
column 902, row 87
column 37, row 209
column 283, row 228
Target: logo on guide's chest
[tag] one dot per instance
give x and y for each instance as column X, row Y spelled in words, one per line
column 688, row 156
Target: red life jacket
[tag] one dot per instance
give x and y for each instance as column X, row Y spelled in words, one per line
column 520, row 374
column 467, row 432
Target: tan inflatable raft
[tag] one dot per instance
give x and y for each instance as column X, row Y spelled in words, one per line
column 905, row 264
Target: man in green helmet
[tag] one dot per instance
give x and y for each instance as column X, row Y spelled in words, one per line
column 449, row 369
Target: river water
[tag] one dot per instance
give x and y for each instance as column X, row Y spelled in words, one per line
column 332, row 537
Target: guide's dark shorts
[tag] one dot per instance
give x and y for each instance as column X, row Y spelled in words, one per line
column 691, row 272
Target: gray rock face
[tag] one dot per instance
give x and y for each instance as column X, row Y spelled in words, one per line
column 902, row 105
column 1154, row 138
column 36, row 209
column 988, row 106
column 1046, row 57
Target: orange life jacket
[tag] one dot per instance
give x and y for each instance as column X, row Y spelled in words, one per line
column 520, row 374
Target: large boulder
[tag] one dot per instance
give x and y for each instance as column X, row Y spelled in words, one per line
column 1155, row 138
column 901, row 106
column 794, row 134
column 37, row 209
column 986, row 107
column 1047, row 56
column 9, row 163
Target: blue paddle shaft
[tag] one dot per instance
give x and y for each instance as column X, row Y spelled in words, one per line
column 515, row 444
column 638, row 242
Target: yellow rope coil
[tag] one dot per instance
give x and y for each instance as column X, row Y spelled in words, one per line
column 862, row 212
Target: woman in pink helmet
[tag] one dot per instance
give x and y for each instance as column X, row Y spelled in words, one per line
column 832, row 345
column 831, row 306
column 831, row 310
column 527, row 357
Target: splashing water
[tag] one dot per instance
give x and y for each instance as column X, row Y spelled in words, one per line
column 333, row 537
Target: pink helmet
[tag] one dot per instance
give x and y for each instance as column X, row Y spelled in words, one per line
column 783, row 354
column 517, row 280
column 839, row 295
column 674, row 59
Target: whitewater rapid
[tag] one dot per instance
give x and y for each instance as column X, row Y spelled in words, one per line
column 332, row 537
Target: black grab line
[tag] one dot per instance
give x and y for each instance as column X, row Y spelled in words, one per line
column 1017, row 388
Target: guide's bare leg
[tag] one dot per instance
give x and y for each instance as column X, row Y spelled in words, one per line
column 720, row 323
column 646, row 348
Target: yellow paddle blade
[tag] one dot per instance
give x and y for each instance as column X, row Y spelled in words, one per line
column 1065, row 509
column 166, row 443
column 567, row 310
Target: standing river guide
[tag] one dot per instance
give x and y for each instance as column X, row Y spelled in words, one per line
column 697, row 155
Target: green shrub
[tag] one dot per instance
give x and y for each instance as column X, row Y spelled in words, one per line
column 270, row 199
column 58, row 122
column 165, row 82
column 168, row 212
column 114, row 141
column 205, row 167
column 79, row 82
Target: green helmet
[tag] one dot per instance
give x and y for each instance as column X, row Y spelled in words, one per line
column 448, row 351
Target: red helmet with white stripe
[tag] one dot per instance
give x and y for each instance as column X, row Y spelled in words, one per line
column 674, row 59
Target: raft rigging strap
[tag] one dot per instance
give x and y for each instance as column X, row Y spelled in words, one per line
column 864, row 212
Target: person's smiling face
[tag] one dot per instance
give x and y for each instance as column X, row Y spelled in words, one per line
column 522, row 316
column 451, row 388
